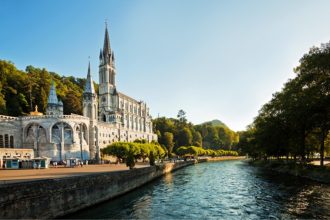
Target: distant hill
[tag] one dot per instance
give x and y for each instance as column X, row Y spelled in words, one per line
column 216, row 122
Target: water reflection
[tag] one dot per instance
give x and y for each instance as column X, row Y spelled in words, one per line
column 229, row 189
column 168, row 179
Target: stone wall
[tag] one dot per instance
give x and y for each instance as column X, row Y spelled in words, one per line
column 52, row 198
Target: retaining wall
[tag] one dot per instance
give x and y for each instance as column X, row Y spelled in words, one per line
column 52, row 198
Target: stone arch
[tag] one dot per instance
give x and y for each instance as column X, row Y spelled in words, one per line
column 56, row 132
column 35, row 132
column 82, row 127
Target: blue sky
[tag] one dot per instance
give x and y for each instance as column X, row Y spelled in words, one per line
column 211, row 58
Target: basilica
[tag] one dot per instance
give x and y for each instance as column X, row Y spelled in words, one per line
column 109, row 116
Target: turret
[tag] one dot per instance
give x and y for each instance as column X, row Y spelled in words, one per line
column 90, row 110
column 90, row 97
column 54, row 107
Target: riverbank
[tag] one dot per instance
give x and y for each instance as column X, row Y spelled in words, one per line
column 26, row 175
column 214, row 159
column 56, row 197
column 312, row 172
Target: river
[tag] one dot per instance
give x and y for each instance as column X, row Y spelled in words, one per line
column 226, row 190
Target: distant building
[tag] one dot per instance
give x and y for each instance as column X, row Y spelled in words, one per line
column 108, row 117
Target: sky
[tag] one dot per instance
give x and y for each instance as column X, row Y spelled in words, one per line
column 214, row 59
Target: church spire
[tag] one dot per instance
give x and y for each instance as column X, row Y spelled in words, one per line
column 89, row 88
column 106, row 45
column 52, row 98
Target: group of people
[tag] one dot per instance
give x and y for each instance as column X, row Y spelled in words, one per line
column 72, row 163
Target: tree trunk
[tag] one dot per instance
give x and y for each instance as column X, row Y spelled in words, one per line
column 322, row 147
column 303, row 146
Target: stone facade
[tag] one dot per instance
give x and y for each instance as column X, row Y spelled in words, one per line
column 107, row 117
column 54, row 136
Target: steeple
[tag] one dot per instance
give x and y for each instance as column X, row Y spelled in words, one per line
column 108, row 97
column 101, row 54
column 89, row 87
column 52, row 98
column 90, row 110
column 106, row 45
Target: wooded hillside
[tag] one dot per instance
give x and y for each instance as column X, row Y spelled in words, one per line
column 21, row 90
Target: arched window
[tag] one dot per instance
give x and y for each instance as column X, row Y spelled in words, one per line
column 89, row 111
column 11, row 141
column 35, row 132
column 104, row 118
column 57, row 133
column 1, row 141
column 6, row 140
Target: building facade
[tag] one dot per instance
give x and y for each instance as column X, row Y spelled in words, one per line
column 108, row 117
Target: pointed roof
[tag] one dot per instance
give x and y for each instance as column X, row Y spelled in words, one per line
column 106, row 45
column 89, row 87
column 52, row 98
column 101, row 54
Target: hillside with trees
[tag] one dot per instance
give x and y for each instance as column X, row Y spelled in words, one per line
column 176, row 132
column 21, row 90
column 296, row 121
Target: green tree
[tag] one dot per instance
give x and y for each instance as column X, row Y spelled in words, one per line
column 182, row 116
column 197, row 138
column 168, row 142
column 184, row 137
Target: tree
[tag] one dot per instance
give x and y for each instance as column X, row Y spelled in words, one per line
column 184, row 137
column 197, row 138
column 296, row 121
column 168, row 142
column 182, row 116
column 20, row 91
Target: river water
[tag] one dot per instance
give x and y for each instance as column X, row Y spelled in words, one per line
column 221, row 190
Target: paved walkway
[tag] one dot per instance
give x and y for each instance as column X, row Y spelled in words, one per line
column 8, row 176
column 318, row 162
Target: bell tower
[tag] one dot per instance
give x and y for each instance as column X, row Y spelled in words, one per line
column 90, row 110
column 107, row 77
